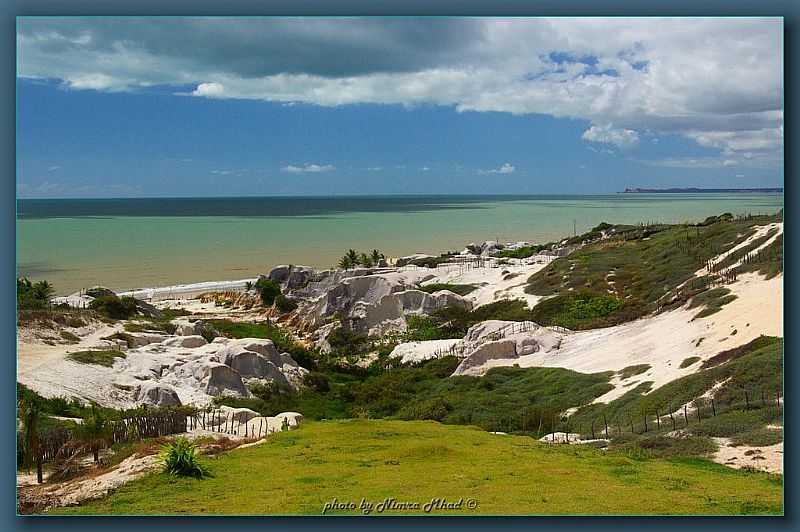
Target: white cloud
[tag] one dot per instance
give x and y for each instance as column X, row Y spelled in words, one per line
column 308, row 168
column 621, row 138
column 425, row 168
column 717, row 81
column 374, row 168
column 506, row 168
column 53, row 168
column 209, row 90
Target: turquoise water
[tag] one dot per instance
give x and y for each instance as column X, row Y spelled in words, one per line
column 81, row 243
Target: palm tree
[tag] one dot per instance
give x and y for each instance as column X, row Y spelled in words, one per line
column 30, row 414
column 94, row 432
column 376, row 256
column 352, row 255
column 345, row 263
column 43, row 291
column 365, row 260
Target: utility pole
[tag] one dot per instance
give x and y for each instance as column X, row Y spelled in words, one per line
column 574, row 229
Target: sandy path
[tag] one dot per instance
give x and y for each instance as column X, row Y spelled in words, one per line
column 33, row 356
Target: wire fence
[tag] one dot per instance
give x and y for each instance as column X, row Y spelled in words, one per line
column 672, row 418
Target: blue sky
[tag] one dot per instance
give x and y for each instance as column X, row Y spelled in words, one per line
column 108, row 109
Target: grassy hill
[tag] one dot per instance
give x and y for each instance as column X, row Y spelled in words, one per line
column 636, row 269
column 416, row 461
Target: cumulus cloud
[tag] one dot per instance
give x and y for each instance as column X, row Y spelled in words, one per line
column 308, row 168
column 506, row 168
column 621, row 138
column 717, row 81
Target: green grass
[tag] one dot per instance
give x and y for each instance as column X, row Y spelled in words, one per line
column 297, row 472
column 579, row 310
column 688, row 362
column 630, row 371
column 460, row 289
column 507, row 399
column 99, row 357
column 713, row 300
column 759, row 437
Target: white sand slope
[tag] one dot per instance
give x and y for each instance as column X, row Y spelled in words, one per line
column 665, row 340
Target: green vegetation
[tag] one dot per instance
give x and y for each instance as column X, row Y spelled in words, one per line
column 689, row 361
column 525, row 251
column 284, row 342
column 30, row 416
column 460, row 289
column 180, row 459
column 94, row 432
column 69, row 337
column 641, row 265
column 129, row 340
column 419, row 461
column 268, row 290
column 713, row 300
column 754, row 368
column 508, row 399
column 114, row 307
column 33, row 296
column 581, row 310
column 163, row 325
column 630, row 371
column 767, row 262
column 453, row 322
column 98, row 357
column 353, row 258
column 284, row 304
column 661, row 446
column 761, row 437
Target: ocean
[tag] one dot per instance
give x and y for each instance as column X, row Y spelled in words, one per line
column 136, row 243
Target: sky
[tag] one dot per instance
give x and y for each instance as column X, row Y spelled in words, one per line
column 145, row 107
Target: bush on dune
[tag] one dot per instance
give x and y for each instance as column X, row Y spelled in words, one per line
column 114, row 307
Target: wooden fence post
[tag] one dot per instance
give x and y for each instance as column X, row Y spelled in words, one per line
column 713, row 408
column 593, row 430
column 658, row 419
column 685, row 415
column 606, row 424
column 672, row 418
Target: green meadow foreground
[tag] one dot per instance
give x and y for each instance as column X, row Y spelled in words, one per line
column 412, row 463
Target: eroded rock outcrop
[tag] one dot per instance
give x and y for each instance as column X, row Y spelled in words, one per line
column 158, row 395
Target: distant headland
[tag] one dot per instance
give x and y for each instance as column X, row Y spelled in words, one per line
column 697, row 190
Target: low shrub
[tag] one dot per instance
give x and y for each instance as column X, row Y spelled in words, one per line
column 688, row 362
column 631, row 371
column 760, row 437
column 284, row 304
column 317, row 381
column 114, row 307
column 69, row 337
column 180, row 459
column 460, row 289
column 268, row 290
column 579, row 310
